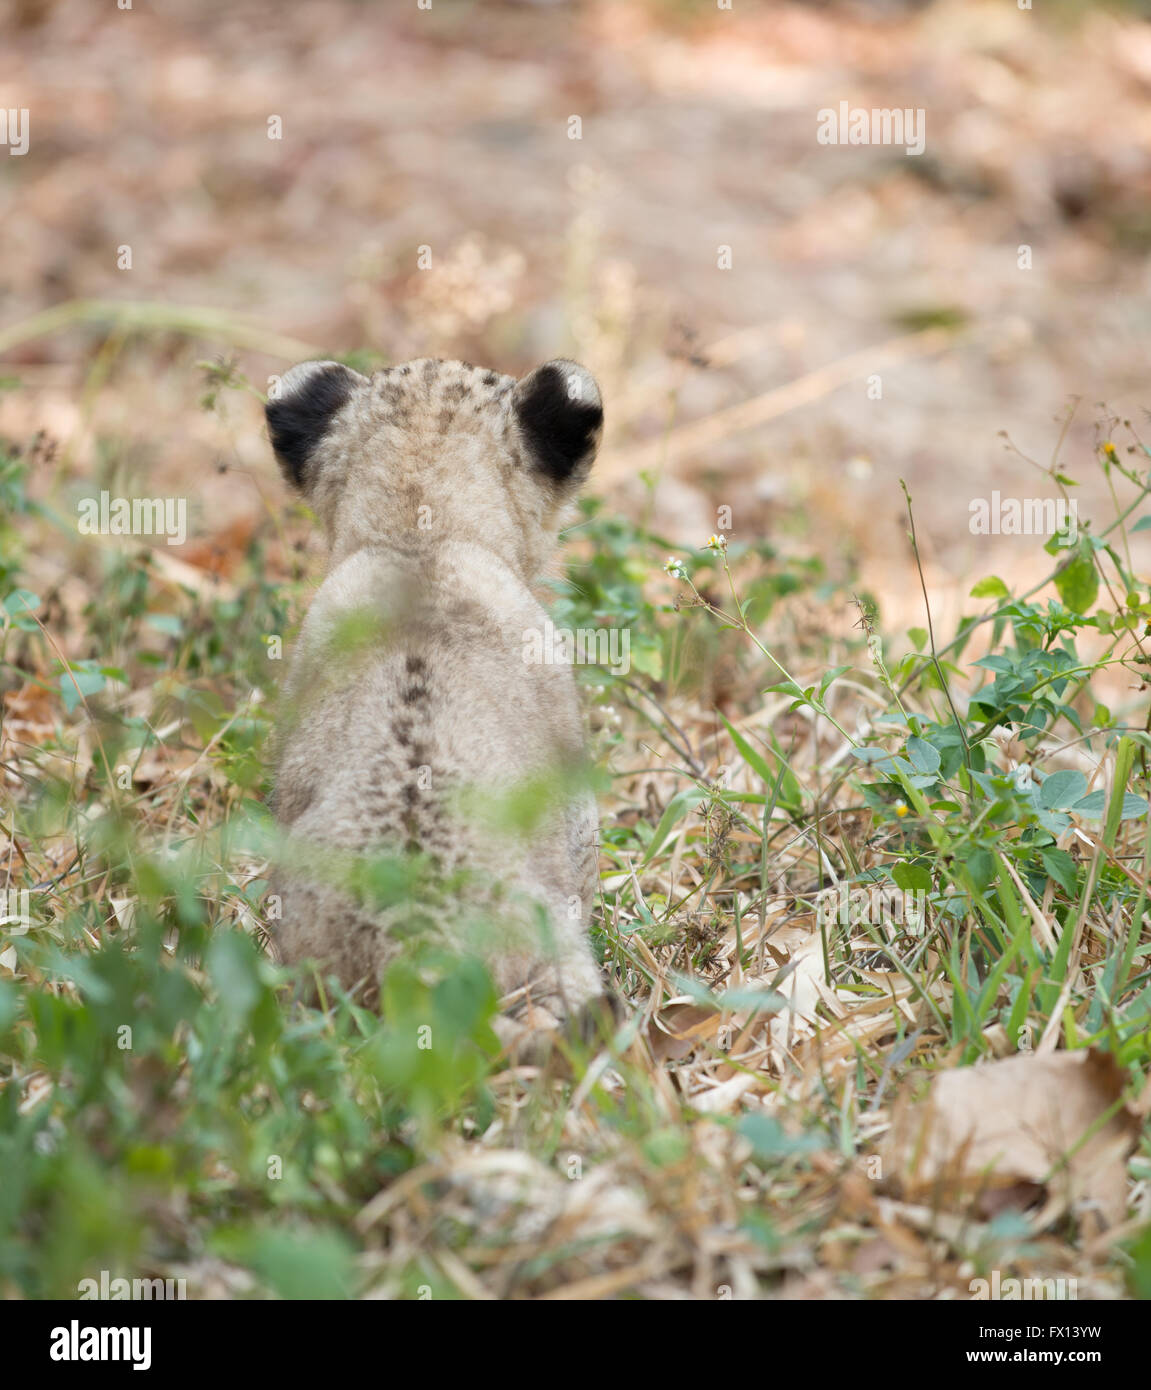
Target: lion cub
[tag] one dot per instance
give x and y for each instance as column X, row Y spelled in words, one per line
column 412, row 707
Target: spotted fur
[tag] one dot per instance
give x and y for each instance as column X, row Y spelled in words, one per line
column 441, row 488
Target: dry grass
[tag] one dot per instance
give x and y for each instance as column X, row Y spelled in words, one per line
column 731, row 1140
column 745, row 1133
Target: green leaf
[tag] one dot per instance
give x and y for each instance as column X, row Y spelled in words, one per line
column 1061, row 867
column 1061, row 790
column 665, row 1147
column 648, row 661
column 20, row 602
column 296, row 1264
column 912, row 878
column 883, row 761
column 1054, row 822
column 979, row 867
column 769, row 1139
column 918, row 637
column 750, row 754
column 787, row 688
column 832, row 675
column 991, row 587
column 9, row 1005
column 81, row 680
column 923, row 755
column 765, row 1001
column 1143, row 524
column 232, row 966
column 1078, row 581
column 676, row 809
column 1124, row 762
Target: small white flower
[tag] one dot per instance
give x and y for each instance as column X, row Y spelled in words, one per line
column 716, row 543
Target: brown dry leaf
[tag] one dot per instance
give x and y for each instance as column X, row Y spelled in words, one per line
column 1010, row 1130
column 199, row 580
column 29, row 718
column 872, row 1256
column 678, row 1027
column 723, row 1099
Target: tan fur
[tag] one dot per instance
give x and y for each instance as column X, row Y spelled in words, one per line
column 438, row 523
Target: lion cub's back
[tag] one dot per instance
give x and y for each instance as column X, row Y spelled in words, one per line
column 380, row 739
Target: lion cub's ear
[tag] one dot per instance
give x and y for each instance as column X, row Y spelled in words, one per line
column 560, row 418
column 306, row 400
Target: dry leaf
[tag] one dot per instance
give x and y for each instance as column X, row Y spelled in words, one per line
column 678, row 1027
column 1010, row 1131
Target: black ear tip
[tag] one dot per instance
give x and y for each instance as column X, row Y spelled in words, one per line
column 306, row 399
column 560, row 414
column 571, row 382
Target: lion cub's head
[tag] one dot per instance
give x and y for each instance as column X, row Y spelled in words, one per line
column 431, row 451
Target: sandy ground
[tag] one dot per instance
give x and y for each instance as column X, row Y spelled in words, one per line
column 449, row 129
